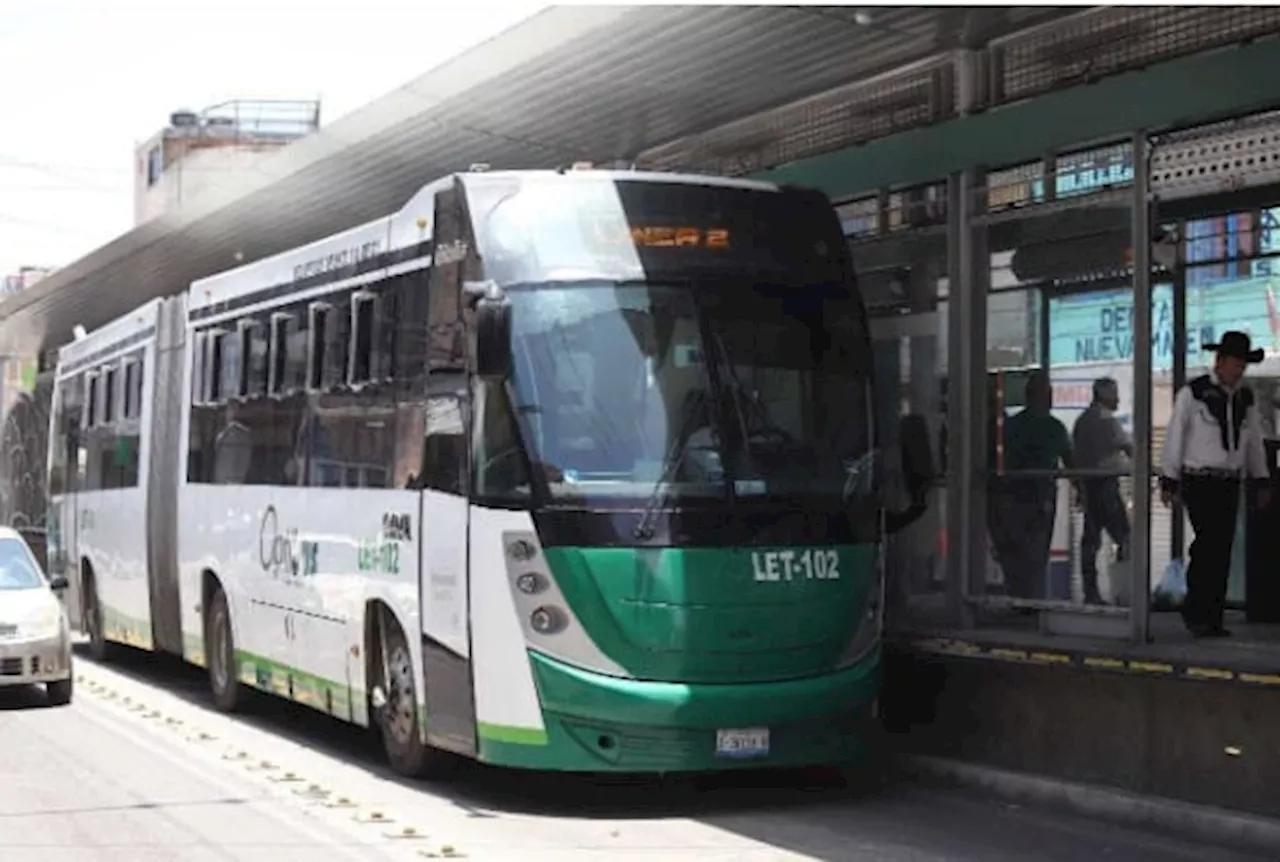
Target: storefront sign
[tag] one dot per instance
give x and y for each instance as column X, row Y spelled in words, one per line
column 1098, row 327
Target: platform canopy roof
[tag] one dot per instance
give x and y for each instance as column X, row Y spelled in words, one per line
column 568, row 84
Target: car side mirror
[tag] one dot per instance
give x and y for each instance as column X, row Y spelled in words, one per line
column 58, row 583
column 493, row 357
column 918, row 471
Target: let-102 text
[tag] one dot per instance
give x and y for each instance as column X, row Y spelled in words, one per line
column 810, row 564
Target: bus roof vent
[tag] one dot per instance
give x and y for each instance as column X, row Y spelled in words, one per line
column 478, row 167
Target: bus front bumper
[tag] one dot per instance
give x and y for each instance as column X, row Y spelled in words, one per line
column 597, row 723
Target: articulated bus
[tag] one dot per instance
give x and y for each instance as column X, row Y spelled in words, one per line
column 567, row 470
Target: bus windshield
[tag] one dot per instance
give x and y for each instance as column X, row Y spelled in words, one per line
column 691, row 392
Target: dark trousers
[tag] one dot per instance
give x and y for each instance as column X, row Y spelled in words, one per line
column 1103, row 510
column 1021, row 524
column 1213, row 504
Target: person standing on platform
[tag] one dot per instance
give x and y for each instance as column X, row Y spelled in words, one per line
column 1101, row 443
column 1214, row 441
column 1034, row 439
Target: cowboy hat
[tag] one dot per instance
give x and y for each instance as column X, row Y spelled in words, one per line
column 1238, row 346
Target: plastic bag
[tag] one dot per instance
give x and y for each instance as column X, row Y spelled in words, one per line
column 1172, row 589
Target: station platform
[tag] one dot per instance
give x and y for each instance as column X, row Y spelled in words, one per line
column 1190, row 720
column 1250, row 657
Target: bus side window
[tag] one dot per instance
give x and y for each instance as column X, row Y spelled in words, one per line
column 365, row 364
column 444, row 451
column 254, row 350
column 328, row 346
column 91, row 400
column 64, row 475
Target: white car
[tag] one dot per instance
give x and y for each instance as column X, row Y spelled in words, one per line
column 35, row 634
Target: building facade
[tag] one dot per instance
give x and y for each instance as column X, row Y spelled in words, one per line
column 199, row 151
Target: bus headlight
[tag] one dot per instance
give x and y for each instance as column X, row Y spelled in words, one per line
column 547, row 620
column 522, row 551
column 530, row 583
column 544, row 614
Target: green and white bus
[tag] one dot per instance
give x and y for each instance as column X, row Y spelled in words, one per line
column 567, row 470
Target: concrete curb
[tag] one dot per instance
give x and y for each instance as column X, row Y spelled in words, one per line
column 1201, row 822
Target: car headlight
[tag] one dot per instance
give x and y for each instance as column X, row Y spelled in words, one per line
column 45, row 625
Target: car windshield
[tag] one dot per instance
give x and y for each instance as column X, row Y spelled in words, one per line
column 689, row 392
column 17, row 569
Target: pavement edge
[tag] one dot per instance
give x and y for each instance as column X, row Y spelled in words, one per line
column 1204, row 823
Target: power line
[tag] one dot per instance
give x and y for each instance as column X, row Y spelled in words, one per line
column 14, row 161
column 43, row 225
column 104, row 190
column 63, row 173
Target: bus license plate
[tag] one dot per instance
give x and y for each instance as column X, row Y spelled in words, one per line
column 742, row 742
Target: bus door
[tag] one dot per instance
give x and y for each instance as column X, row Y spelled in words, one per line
column 61, row 554
column 906, row 348
column 68, row 462
column 444, row 587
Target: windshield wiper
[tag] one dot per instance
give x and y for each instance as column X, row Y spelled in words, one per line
column 671, row 465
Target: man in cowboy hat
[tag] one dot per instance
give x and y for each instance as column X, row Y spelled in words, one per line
column 1213, row 442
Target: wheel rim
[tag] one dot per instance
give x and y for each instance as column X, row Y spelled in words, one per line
column 218, row 660
column 400, row 707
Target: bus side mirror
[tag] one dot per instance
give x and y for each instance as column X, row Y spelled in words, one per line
column 917, row 455
column 918, row 472
column 493, row 329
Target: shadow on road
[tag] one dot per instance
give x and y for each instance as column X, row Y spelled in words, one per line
column 486, row 791
column 819, row 814
column 23, row 697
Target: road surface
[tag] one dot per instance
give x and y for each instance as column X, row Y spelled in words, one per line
column 139, row 769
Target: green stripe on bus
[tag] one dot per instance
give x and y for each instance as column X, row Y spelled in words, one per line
column 512, row 735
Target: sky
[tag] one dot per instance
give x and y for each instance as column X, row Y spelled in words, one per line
column 83, row 82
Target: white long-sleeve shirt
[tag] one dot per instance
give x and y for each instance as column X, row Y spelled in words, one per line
column 1193, row 440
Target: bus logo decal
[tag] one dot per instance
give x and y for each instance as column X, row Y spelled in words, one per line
column 276, row 550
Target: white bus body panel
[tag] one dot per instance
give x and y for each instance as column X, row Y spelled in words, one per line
column 304, row 627
column 332, row 252
column 299, row 635
column 445, row 595
column 507, row 703
column 110, row 525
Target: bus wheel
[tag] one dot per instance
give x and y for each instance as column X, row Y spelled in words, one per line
column 398, row 712
column 221, row 654
column 98, row 646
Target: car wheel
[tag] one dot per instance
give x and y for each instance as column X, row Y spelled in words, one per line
column 221, row 649
column 59, row 693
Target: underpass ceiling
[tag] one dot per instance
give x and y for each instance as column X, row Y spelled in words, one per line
column 571, row 83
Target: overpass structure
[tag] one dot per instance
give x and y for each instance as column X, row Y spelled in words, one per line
column 1015, row 182
column 601, row 84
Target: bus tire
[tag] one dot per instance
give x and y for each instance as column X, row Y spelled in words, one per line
column 221, row 648
column 99, row 648
column 398, row 718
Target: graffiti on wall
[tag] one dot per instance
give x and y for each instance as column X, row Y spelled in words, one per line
column 24, row 439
